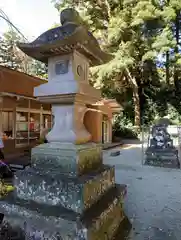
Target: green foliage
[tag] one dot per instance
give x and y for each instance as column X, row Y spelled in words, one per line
column 123, row 128
column 173, row 115
column 125, row 133
column 12, row 57
column 8, row 58
column 38, row 69
column 137, row 32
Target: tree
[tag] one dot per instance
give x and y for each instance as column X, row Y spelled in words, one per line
column 12, row 57
column 39, row 69
column 8, row 56
column 122, row 27
column 144, row 37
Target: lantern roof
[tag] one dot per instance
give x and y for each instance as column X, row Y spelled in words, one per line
column 71, row 35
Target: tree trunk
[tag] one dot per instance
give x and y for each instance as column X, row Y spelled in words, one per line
column 136, row 99
column 167, row 66
column 176, row 75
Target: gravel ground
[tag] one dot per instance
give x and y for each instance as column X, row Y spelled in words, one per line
column 153, row 202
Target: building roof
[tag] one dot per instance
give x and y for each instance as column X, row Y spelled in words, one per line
column 111, row 103
column 16, row 82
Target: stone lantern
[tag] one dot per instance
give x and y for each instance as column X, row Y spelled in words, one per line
column 67, row 191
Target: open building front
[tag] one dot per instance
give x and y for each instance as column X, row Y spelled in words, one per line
column 22, row 116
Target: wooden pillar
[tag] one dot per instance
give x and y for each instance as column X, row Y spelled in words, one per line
column 14, row 120
column 110, row 130
column 41, row 120
column 29, row 109
column 1, row 114
column 52, row 119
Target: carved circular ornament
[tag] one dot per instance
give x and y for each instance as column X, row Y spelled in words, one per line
column 79, row 70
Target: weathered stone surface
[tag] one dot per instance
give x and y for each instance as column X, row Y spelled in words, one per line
column 67, row 158
column 70, row 15
column 100, row 221
column 75, row 193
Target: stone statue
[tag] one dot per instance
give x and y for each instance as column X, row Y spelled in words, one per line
column 160, row 150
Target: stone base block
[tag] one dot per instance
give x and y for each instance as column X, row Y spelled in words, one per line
column 75, row 193
column 100, row 222
column 160, row 151
column 172, row 163
column 67, row 158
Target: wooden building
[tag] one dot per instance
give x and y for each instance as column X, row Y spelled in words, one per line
column 21, row 115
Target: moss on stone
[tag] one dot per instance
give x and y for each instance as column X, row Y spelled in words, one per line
column 5, row 188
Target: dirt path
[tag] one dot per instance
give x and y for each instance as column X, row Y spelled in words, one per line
column 153, row 202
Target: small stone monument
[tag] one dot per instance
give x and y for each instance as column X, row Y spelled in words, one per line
column 161, row 150
column 67, row 193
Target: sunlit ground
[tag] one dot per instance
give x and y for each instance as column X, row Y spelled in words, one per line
column 153, row 202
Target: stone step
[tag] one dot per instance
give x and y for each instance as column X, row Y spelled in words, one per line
column 72, row 192
column 162, row 151
column 100, row 222
column 162, row 158
column 171, row 164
